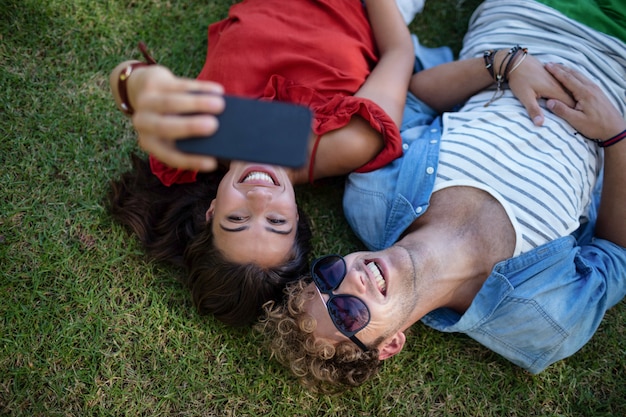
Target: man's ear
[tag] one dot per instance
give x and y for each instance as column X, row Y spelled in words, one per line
column 392, row 346
column 210, row 211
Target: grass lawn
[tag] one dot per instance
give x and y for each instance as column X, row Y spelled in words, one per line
column 90, row 327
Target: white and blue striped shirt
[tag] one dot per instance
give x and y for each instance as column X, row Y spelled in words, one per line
column 542, row 176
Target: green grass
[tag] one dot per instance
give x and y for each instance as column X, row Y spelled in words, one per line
column 90, row 327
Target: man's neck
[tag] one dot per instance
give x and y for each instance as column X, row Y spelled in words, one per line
column 456, row 243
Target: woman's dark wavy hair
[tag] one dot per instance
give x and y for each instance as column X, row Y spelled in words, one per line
column 171, row 224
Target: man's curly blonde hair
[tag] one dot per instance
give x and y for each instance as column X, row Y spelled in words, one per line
column 320, row 365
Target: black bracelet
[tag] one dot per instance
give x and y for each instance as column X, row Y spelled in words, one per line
column 512, row 54
column 488, row 56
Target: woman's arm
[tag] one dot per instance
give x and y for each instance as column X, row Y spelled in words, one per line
column 160, row 100
column 388, row 82
column 344, row 150
column 594, row 116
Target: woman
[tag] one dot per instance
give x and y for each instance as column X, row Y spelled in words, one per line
column 243, row 240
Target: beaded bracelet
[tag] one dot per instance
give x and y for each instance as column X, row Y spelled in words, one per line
column 488, row 56
column 122, row 88
column 502, row 76
column 612, row 141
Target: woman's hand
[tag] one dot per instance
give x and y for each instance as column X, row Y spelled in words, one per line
column 592, row 114
column 530, row 82
column 163, row 104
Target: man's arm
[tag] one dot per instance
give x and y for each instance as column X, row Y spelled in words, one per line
column 444, row 86
column 595, row 117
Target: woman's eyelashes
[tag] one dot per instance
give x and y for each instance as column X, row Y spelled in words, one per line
column 241, row 219
column 236, row 219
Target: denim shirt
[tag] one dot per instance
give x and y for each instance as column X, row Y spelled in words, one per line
column 534, row 309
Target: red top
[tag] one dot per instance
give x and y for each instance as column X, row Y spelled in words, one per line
column 316, row 53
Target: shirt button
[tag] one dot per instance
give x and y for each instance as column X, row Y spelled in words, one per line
column 433, row 141
column 418, row 210
column 405, row 146
column 433, row 130
column 430, row 170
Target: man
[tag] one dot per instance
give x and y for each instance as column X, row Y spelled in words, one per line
column 484, row 225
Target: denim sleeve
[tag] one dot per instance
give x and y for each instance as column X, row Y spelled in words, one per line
column 599, row 283
column 544, row 305
column 607, row 260
column 601, row 266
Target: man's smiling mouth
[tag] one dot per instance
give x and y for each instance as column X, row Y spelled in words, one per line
column 378, row 277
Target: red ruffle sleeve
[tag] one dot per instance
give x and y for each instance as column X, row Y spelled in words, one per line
column 169, row 175
column 336, row 112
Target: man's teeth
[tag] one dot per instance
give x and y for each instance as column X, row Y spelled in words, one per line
column 258, row 176
column 378, row 276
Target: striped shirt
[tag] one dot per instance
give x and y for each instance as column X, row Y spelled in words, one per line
column 542, row 176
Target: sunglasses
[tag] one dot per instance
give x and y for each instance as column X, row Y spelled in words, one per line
column 348, row 313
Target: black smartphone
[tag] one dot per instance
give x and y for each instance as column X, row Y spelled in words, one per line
column 269, row 132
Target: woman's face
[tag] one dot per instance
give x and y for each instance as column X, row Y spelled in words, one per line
column 255, row 216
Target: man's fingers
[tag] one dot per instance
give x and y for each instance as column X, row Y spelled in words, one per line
column 535, row 113
column 569, row 78
column 562, row 95
column 532, row 107
column 563, row 111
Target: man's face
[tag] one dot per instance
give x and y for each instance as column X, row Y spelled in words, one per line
column 385, row 282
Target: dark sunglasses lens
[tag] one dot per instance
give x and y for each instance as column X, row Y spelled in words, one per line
column 349, row 313
column 328, row 272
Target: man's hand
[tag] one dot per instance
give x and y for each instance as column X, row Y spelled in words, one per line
column 531, row 82
column 592, row 114
column 162, row 104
